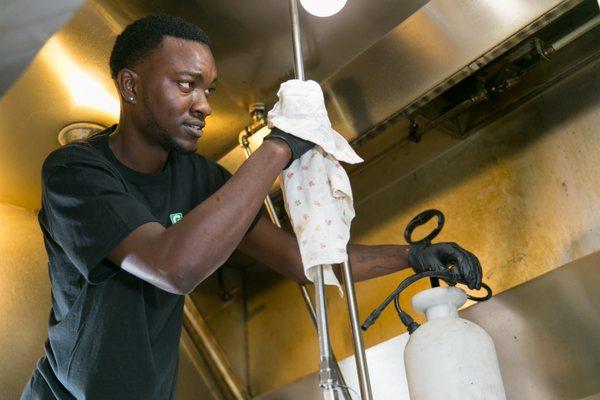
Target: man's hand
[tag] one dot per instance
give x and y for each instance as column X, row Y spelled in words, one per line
column 440, row 256
column 297, row 146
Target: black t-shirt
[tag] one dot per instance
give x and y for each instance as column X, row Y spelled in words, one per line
column 111, row 335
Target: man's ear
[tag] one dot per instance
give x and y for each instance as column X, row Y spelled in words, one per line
column 127, row 84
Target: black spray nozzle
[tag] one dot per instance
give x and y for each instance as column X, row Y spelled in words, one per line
column 451, row 276
column 371, row 319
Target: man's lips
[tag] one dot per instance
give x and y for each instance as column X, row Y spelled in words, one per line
column 194, row 129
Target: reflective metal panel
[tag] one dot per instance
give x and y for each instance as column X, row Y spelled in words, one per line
column 546, row 333
column 252, row 44
column 443, row 39
column 25, row 25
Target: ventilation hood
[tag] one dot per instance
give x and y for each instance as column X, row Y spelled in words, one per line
column 374, row 59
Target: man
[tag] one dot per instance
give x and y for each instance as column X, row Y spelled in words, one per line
column 133, row 219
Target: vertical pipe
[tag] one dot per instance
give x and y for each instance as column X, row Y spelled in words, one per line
column 326, row 381
column 338, row 377
column 359, row 348
column 325, row 378
column 297, row 40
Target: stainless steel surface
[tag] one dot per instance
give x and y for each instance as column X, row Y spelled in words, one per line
column 438, row 46
column 362, row 368
column 374, row 58
column 582, row 30
column 213, row 353
column 192, row 367
column 546, row 333
column 25, row 25
column 250, row 42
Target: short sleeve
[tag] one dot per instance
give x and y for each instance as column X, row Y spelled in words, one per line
column 88, row 212
column 223, row 176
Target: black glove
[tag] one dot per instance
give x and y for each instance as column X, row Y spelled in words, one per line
column 297, row 146
column 440, row 256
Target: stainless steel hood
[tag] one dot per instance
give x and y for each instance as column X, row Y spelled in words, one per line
column 25, row 25
column 441, row 44
column 435, row 48
column 253, row 48
column 374, row 59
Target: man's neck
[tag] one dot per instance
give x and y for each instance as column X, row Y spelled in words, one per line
column 131, row 148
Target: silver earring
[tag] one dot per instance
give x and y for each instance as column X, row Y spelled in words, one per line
column 131, row 98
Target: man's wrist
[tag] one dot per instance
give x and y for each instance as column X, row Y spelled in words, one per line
column 279, row 149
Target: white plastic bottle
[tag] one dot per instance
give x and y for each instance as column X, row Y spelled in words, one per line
column 450, row 358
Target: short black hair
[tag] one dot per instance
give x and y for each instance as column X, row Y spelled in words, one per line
column 143, row 36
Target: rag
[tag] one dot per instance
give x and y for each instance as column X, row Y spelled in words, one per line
column 316, row 188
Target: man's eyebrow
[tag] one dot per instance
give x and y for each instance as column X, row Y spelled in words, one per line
column 194, row 74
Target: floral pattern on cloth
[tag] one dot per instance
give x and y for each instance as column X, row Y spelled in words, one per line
column 316, row 188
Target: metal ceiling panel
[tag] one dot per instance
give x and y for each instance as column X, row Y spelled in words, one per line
column 25, row 25
column 443, row 39
column 374, row 58
column 252, row 45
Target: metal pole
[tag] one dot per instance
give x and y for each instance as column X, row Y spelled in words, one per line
column 326, row 382
column 337, row 377
column 359, row 350
column 275, row 219
column 580, row 31
column 325, row 379
column 214, row 354
column 297, row 40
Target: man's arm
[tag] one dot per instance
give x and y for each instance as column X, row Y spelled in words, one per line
column 372, row 261
column 278, row 249
column 177, row 258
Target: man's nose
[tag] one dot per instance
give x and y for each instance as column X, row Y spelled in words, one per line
column 200, row 104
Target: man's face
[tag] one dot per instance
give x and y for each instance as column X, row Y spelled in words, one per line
column 173, row 85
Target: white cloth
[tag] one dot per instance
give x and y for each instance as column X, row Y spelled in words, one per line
column 316, row 188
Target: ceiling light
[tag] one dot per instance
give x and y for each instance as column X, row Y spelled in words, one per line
column 78, row 131
column 323, row 8
column 85, row 89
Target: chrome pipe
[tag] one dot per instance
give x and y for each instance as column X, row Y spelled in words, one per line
column 324, row 346
column 338, row 377
column 326, row 379
column 577, row 33
column 360, row 356
column 297, row 40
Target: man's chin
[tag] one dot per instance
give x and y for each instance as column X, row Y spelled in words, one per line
column 184, row 151
column 181, row 148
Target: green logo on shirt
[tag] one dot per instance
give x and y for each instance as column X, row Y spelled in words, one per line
column 176, row 217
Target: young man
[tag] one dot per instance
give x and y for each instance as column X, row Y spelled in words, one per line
column 133, row 219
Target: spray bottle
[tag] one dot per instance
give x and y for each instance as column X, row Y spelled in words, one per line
column 447, row 357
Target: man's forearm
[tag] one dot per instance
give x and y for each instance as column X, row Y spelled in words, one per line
column 209, row 233
column 373, row 261
column 279, row 250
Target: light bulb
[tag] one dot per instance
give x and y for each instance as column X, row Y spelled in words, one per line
column 323, row 8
